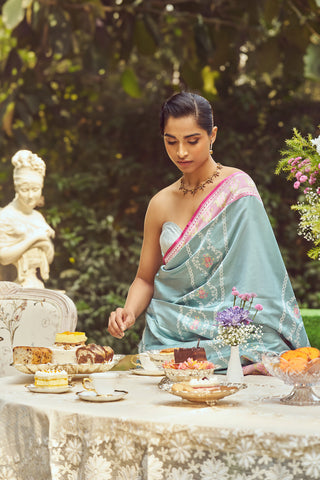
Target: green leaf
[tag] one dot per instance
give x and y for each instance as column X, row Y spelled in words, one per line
column 130, row 83
column 312, row 62
column 12, row 13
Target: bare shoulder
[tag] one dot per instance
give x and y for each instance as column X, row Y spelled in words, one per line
column 161, row 200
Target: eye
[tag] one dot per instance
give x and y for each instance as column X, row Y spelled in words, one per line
column 193, row 142
column 171, row 142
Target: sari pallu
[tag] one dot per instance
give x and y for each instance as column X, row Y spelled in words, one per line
column 228, row 242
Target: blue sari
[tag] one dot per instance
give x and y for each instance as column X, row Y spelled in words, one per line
column 228, row 242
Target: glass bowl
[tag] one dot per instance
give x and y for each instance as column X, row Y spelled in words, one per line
column 301, row 378
column 208, row 395
column 71, row 368
column 159, row 358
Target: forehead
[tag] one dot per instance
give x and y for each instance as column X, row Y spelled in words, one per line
column 36, row 182
column 182, row 126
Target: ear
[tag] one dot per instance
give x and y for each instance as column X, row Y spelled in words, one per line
column 213, row 135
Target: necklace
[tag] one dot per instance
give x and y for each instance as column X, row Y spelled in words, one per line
column 194, row 190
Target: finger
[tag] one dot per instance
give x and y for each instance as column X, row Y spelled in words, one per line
column 115, row 326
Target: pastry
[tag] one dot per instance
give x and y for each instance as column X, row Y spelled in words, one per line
column 51, row 378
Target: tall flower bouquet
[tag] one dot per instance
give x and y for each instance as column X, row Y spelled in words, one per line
column 235, row 324
column 301, row 161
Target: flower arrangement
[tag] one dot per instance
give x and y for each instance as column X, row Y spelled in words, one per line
column 301, row 161
column 235, row 324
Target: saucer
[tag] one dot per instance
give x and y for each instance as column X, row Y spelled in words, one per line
column 90, row 396
column 33, row 388
column 142, row 371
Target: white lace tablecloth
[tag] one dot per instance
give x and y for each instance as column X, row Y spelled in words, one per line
column 153, row 435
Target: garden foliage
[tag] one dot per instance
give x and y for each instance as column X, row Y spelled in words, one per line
column 82, row 83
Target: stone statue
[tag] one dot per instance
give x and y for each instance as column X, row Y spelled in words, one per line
column 25, row 236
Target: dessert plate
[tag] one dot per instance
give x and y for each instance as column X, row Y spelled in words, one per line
column 151, row 373
column 34, row 389
column 90, row 396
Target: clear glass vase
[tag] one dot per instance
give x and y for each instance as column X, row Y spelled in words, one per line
column 234, row 371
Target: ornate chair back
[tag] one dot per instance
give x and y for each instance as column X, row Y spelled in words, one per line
column 31, row 317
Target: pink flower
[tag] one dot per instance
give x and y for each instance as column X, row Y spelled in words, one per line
column 235, row 293
column 306, row 190
column 298, row 175
column 296, row 185
column 258, row 307
column 303, row 178
column 312, row 180
column 318, row 190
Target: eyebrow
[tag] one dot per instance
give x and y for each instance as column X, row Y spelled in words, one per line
column 186, row 136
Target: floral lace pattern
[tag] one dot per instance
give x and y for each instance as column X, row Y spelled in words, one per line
column 66, row 443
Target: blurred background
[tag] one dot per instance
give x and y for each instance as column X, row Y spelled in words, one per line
column 81, row 85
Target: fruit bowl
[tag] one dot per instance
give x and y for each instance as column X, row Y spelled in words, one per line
column 302, row 377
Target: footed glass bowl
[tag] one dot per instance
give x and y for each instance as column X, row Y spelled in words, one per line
column 301, row 376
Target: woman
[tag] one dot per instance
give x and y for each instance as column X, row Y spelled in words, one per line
column 204, row 234
column 25, row 236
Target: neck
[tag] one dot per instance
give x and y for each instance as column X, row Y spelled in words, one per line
column 196, row 178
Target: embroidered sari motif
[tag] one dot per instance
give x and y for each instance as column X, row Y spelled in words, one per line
column 228, row 242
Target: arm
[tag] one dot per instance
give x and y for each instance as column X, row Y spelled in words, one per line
column 12, row 253
column 141, row 290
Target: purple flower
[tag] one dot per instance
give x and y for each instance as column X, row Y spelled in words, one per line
column 234, row 316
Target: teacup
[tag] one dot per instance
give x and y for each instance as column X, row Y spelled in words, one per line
column 145, row 362
column 103, row 383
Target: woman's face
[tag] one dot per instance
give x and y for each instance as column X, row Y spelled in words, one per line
column 29, row 193
column 186, row 143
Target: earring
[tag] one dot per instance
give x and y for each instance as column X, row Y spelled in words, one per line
column 211, row 151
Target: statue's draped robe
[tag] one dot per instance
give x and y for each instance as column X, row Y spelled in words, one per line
column 228, row 242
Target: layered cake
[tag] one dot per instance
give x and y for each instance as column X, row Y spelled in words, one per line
column 195, row 353
column 69, row 347
column 51, row 378
column 34, row 355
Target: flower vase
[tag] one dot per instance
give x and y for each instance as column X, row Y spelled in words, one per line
column 234, row 371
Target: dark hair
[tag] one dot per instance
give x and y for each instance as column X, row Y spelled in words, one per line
column 184, row 104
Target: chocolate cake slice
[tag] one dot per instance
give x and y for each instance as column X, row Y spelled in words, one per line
column 196, row 353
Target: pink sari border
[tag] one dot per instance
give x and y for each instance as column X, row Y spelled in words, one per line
column 232, row 188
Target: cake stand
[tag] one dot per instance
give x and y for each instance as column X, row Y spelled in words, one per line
column 302, row 382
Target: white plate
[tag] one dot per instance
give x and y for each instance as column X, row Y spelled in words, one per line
column 33, row 388
column 152, row 373
column 90, row 396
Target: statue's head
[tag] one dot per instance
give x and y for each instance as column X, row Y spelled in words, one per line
column 28, row 177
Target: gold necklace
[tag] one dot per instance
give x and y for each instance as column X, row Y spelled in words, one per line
column 194, row 190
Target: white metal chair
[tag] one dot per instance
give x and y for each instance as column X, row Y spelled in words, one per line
column 31, row 317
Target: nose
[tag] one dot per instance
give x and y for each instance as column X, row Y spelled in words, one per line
column 181, row 151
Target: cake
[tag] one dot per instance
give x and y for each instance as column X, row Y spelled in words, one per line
column 51, row 378
column 195, row 353
column 69, row 348
column 94, row 354
column 70, row 338
column 32, row 355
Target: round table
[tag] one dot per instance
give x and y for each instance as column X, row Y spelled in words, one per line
column 151, row 434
